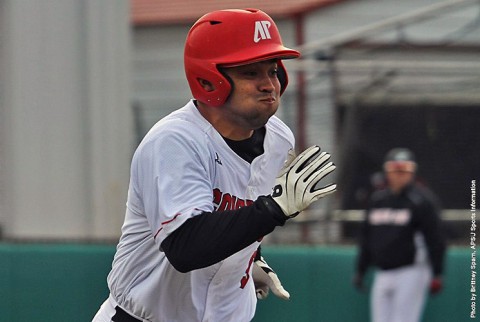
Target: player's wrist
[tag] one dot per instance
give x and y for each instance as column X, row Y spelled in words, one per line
column 273, row 209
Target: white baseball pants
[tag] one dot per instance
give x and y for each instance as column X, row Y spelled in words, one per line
column 399, row 294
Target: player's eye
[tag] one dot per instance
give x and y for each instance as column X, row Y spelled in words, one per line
column 274, row 72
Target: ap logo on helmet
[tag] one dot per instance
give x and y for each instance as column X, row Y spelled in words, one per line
column 261, row 30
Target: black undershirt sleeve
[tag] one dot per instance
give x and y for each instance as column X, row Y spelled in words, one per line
column 208, row 238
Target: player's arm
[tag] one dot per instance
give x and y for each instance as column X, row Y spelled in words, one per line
column 363, row 257
column 431, row 227
column 213, row 236
column 210, row 237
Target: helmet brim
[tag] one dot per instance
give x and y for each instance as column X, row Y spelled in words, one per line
column 280, row 55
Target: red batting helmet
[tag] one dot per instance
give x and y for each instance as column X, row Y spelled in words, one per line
column 228, row 38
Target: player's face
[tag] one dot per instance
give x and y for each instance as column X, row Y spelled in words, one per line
column 397, row 180
column 255, row 96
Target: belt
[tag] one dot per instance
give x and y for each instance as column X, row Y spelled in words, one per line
column 122, row 316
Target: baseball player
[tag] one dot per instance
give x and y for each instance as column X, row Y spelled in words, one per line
column 402, row 238
column 210, row 180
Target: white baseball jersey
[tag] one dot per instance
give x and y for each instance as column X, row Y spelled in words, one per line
column 183, row 167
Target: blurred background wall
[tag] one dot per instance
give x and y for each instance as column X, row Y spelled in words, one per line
column 66, row 131
column 82, row 81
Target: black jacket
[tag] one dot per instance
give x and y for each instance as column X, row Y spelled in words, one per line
column 391, row 221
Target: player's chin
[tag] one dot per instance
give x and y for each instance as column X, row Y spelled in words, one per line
column 260, row 121
column 267, row 113
column 268, row 108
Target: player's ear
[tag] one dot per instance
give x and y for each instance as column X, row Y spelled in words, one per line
column 206, row 85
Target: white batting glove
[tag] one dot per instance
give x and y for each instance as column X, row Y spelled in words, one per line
column 265, row 278
column 295, row 184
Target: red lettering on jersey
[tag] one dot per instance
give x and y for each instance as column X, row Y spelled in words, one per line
column 217, row 196
column 246, row 277
column 225, row 201
column 240, row 203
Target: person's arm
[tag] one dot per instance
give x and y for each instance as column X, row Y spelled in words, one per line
column 431, row 227
column 213, row 236
column 363, row 257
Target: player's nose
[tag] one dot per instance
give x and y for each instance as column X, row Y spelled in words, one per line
column 267, row 83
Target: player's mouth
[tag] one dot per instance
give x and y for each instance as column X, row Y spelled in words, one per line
column 269, row 99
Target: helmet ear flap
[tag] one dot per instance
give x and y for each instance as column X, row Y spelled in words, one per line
column 282, row 76
column 221, row 85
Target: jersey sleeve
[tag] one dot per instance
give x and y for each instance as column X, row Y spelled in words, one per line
column 171, row 174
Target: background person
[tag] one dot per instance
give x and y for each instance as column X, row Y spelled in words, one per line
column 401, row 236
